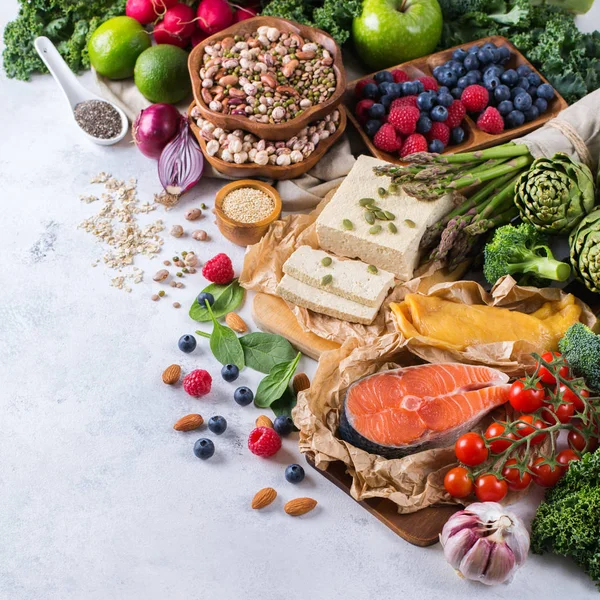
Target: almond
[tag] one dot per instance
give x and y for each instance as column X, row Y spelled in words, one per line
column 263, row 498
column 264, row 421
column 236, row 322
column 189, row 422
column 299, row 506
column 300, row 382
column 171, row 374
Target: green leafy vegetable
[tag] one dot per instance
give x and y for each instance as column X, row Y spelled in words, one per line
column 262, row 351
column 581, row 348
column 224, row 344
column 273, row 386
column 227, row 298
column 285, row 404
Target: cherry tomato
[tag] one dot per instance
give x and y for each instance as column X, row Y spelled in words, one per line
column 488, row 488
column 563, row 412
column 569, row 396
column 546, row 375
column 544, row 474
column 458, row 483
column 530, row 424
column 566, row 456
column 513, row 478
column 470, row 449
column 526, row 399
column 497, row 430
column 577, row 442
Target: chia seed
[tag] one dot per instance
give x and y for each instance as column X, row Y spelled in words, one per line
column 99, row 119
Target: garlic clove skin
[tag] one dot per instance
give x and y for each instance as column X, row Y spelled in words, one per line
column 474, row 563
column 501, row 565
column 457, row 545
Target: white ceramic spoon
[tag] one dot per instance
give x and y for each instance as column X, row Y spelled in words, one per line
column 72, row 89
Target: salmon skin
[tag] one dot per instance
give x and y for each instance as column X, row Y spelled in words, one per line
column 403, row 411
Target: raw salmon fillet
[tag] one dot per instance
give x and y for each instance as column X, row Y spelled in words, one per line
column 406, row 410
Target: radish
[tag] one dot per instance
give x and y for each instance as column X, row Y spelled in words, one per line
column 197, row 37
column 162, row 5
column 214, row 15
column 141, row 10
column 162, row 36
column 241, row 14
column 179, row 21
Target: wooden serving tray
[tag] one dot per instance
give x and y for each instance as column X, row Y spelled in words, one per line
column 475, row 139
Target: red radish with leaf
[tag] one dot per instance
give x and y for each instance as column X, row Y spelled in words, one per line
column 214, row 15
column 241, row 14
column 143, row 11
column 162, row 36
column 197, row 37
column 163, row 5
column 180, row 21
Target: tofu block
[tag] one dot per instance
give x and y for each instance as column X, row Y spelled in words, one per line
column 302, row 294
column 394, row 252
column 351, row 278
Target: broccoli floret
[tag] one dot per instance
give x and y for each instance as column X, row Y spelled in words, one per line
column 522, row 251
column 581, row 348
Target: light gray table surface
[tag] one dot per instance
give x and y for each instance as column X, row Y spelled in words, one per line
column 99, row 498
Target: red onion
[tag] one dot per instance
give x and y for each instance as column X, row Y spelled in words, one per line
column 155, row 127
column 181, row 162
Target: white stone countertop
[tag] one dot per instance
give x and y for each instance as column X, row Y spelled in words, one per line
column 99, row 498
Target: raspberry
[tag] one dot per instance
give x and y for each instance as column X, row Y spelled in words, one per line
column 360, row 85
column 405, row 101
column 386, row 139
column 404, row 119
column 264, row 441
column 456, row 113
column 399, row 76
column 429, row 83
column 197, row 383
column 361, row 109
column 439, row 131
column 491, row 121
column 475, row 98
column 413, row 143
column 218, row 269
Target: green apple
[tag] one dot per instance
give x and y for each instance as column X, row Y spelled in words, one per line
column 389, row 32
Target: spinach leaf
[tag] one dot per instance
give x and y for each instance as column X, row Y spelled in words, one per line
column 224, row 344
column 273, row 386
column 285, row 404
column 262, row 351
column 227, row 298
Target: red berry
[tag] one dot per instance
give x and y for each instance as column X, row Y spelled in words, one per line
column 413, row 143
column 475, row 98
column 399, row 76
column 386, row 139
column 456, row 114
column 358, row 88
column 429, row 83
column 404, row 119
column 491, row 121
column 404, row 101
column 361, row 109
column 264, row 441
column 218, row 269
column 439, row 131
column 197, row 383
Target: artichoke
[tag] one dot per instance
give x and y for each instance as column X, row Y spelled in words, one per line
column 555, row 193
column 585, row 250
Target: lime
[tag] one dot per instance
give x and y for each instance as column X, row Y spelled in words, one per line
column 161, row 74
column 115, row 46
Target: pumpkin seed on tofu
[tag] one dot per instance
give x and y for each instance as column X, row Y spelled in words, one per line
column 347, row 224
column 390, row 216
column 369, row 217
column 327, row 279
column 326, row 261
column 375, row 229
column 380, row 214
column 372, row 269
column 410, row 223
column 392, row 227
column 366, row 201
column 382, row 192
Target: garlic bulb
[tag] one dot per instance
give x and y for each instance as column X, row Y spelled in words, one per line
column 485, row 542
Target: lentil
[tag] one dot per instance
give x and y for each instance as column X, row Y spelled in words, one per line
column 99, row 119
column 248, row 205
column 176, row 305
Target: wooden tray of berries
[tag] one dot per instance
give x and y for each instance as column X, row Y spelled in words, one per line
column 474, row 138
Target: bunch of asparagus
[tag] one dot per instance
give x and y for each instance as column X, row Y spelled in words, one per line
column 483, row 185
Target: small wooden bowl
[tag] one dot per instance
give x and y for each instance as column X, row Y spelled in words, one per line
column 270, row 171
column 245, row 234
column 282, row 131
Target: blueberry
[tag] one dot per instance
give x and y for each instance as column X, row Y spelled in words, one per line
column 541, row 105
column 459, row 54
column 545, row 91
column 230, row 372
column 436, row 146
column 383, row 76
column 473, row 49
column 523, row 82
column 502, row 92
column 377, row 111
column 294, row 473
column 408, row 88
column 471, row 63
column 492, row 83
column 439, row 113
column 473, row 77
column 531, row 114
column 509, row 77
column 384, row 88
column 463, row 82
column 484, row 56
column 532, row 91
column 523, row 70
column 386, row 101
column 505, row 107
column 187, row 343
column 504, row 54
column 395, row 90
column 488, row 46
column 522, row 102
column 496, row 55
column 372, row 127
column 203, row 297
column 204, row 448
column 493, row 70
column 516, row 91
column 448, row 78
column 445, row 99
column 437, row 70
column 243, row 396
column 443, row 90
column 217, row 424
column 457, row 135
column 458, row 69
column 423, row 124
column 418, row 87
column 370, row 91
column 425, row 101
column 514, row 119
column 283, row 425
column 456, row 93
column 534, row 79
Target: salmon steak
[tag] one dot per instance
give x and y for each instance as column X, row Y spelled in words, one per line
column 406, row 410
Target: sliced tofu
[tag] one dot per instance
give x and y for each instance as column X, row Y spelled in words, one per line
column 351, row 278
column 302, row 294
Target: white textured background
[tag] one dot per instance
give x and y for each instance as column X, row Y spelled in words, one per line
column 99, row 498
